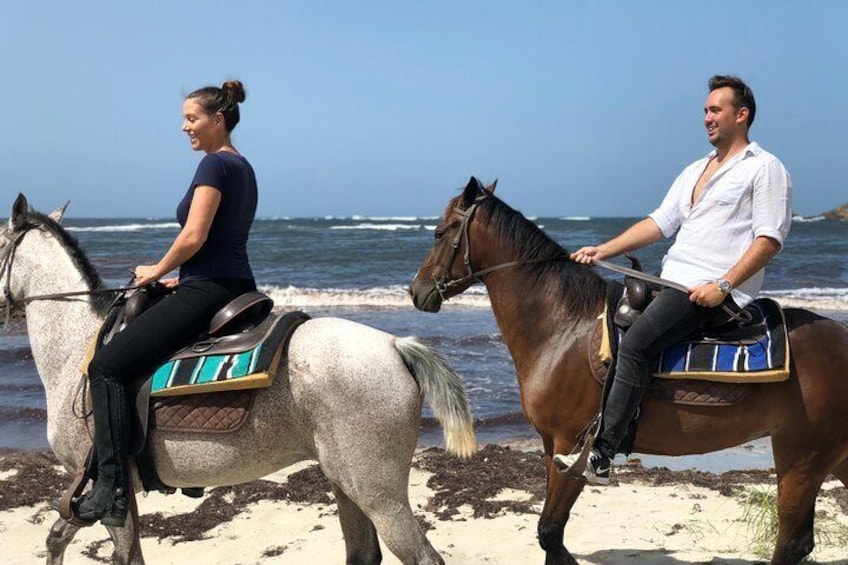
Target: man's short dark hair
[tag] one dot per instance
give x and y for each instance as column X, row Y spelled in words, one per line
column 742, row 95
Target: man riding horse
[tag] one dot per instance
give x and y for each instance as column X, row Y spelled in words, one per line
column 731, row 212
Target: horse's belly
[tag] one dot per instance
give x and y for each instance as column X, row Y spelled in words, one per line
column 220, row 460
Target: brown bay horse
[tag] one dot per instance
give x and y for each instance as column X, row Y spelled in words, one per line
column 546, row 306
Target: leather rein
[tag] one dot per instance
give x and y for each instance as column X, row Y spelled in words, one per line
column 467, row 214
column 7, row 257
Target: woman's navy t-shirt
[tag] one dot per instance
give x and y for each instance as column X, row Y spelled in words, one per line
column 224, row 254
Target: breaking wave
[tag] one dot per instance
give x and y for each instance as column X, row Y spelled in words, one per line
column 124, row 227
column 389, row 297
column 397, row 297
column 383, row 227
column 821, row 299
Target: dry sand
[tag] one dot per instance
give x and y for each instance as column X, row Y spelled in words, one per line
column 481, row 511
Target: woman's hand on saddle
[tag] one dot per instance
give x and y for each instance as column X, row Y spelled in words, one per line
column 587, row 255
column 707, row 295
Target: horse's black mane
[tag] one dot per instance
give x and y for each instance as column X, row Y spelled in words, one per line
column 100, row 302
column 580, row 288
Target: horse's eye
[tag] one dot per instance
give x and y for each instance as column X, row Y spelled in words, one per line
column 439, row 234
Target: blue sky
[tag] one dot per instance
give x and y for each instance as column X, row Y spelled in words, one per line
column 386, row 108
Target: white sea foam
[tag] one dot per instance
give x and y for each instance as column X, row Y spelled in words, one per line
column 381, row 227
column 124, row 227
column 386, row 218
column 576, row 218
column 819, row 299
column 803, row 219
column 359, row 218
column 395, row 296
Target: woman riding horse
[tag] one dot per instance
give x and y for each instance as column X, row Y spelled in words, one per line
column 211, row 252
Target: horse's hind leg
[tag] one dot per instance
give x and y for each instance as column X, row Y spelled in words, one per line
column 374, row 474
column 841, row 473
column 61, row 534
column 399, row 529
column 799, row 479
column 380, row 494
column 361, row 543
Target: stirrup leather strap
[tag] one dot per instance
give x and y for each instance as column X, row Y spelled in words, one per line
column 86, row 473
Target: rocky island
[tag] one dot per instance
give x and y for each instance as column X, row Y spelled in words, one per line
column 837, row 213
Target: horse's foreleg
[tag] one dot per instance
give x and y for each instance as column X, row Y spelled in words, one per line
column 360, row 536
column 561, row 496
column 127, row 546
column 61, row 534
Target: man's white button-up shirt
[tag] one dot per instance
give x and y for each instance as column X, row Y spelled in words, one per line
column 748, row 197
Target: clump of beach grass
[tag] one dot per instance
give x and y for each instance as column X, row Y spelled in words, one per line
column 759, row 514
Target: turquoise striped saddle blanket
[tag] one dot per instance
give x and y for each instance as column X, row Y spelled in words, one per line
column 232, row 362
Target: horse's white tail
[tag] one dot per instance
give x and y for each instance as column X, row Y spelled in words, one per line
column 444, row 392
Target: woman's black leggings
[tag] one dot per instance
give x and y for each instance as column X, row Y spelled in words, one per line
column 669, row 318
column 164, row 328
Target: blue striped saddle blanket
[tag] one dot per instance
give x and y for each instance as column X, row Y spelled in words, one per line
column 756, row 352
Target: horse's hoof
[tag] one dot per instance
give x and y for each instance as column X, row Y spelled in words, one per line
column 192, row 492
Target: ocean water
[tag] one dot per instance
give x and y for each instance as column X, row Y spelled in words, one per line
column 359, row 268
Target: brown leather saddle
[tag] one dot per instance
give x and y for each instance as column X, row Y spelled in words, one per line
column 703, row 380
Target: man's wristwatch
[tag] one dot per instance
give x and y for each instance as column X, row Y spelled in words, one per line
column 724, row 286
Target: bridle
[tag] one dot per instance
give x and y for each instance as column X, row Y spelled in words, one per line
column 7, row 258
column 442, row 284
column 472, row 276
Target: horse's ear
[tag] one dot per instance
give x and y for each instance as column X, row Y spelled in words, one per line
column 491, row 188
column 57, row 214
column 20, row 209
column 472, row 190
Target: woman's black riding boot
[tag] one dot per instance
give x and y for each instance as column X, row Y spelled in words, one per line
column 107, row 500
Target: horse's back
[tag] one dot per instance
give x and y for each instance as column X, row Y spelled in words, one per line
column 326, row 338
column 330, row 354
column 814, row 335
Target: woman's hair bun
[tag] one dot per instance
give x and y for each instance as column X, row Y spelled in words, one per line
column 235, row 89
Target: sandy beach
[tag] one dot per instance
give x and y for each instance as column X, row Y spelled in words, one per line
column 481, row 511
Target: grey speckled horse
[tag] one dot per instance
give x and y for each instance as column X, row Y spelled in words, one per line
column 349, row 397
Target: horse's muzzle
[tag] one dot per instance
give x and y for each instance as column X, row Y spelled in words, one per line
column 425, row 296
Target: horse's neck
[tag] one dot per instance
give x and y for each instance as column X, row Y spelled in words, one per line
column 521, row 319
column 59, row 330
column 535, row 324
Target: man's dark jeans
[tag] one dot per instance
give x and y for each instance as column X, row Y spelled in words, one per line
column 669, row 318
